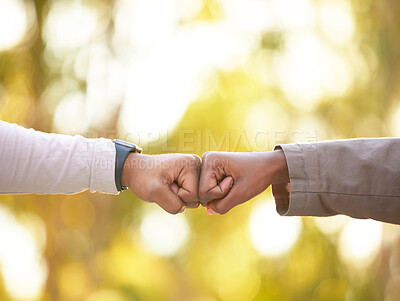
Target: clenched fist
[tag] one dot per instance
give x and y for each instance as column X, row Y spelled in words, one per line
column 169, row 180
column 229, row 179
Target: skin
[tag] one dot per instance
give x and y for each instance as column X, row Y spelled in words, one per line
column 220, row 181
column 230, row 179
column 170, row 180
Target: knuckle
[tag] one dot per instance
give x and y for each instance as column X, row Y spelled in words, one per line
column 189, row 161
column 213, row 158
column 208, row 155
column 196, row 158
column 203, row 157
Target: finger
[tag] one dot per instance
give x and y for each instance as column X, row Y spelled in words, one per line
column 192, row 205
column 225, row 204
column 188, row 192
column 189, row 182
column 170, row 202
column 219, row 191
column 178, row 191
column 174, row 187
column 208, row 180
column 189, row 198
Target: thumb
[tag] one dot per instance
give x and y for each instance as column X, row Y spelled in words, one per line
column 225, row 204
column 174, row 187
column 219, row 191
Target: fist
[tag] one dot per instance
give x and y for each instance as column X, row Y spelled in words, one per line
column 229, row 179
column 169, row 180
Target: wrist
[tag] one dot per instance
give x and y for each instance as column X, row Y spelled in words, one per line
column 281, row 183
column 281, row 172
column 130, row 168
column 122, row 150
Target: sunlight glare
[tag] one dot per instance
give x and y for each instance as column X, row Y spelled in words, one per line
column 70, row 115
column 22, row 267
column 266, row 123
column 69, row 25
column 146, row 24
column 332, row 224
column 360, row 242
column 250, row 16
column 308, row 70
column 337, row 21
column 105, row 78
column 293, row 14
column 161, row 86
column 272, row 234
column 13, row 23
column 395, row 121
column 162, row 233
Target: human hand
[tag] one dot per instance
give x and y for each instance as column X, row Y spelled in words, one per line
column 229, row 179
column 170, row 180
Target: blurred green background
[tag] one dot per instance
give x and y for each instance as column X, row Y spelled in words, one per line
column 191, row 76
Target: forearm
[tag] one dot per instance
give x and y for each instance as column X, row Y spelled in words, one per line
column 359, row 178
column 36, row 162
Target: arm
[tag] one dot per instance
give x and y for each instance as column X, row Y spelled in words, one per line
column 36, row 162
column 359, row 178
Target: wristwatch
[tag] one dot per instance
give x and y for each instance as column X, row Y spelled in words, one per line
column 122, row 149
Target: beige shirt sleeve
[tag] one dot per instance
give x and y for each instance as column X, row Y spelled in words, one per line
column 37, row 162
column 359, row 178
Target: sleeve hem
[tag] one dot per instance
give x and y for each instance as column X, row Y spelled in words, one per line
column 295, row 160
column 103, row 167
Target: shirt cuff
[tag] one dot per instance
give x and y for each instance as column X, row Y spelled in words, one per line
column 102, row 177
column 302, row 162
column 291, row 199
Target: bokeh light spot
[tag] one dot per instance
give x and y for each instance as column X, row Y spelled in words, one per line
column 271, row 233
column 13, row 23
column 69, row 25
column 360, row 241
column 395, row 120
column 332, row 224
column 337, row 21
column 162, row 233
column 70, row 115
column 308, row 70
column 266, row 123
column 23, row 270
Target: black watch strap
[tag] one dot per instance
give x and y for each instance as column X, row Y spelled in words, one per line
column 122, row 149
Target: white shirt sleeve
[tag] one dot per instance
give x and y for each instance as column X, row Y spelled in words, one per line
column 37, row 162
